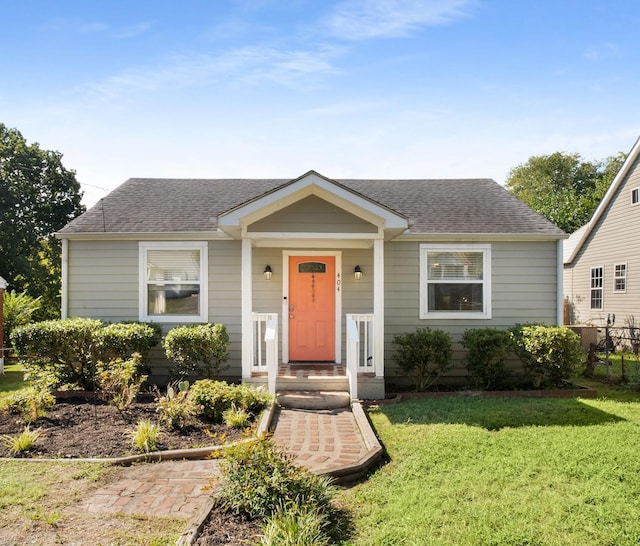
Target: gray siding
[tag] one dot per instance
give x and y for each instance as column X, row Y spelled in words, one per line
column 523, row 290
column 313, row 215
column 613, row 240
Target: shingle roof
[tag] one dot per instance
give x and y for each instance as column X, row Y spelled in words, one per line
column 467, row 206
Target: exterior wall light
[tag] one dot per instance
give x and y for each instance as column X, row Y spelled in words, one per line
column 357, row 273
column 268, row 272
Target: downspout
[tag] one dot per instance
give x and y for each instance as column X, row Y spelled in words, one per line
column 559, row 284
column 64, row 304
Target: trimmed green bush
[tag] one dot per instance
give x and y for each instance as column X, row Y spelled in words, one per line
column 425, row 355
column 66, row 346
column 122, row 339
column 198, row 350
column 487, row 349
column 550, row 354
column 212, row 398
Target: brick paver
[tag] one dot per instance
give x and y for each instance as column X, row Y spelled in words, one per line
column 176, row 489
column 320, row 440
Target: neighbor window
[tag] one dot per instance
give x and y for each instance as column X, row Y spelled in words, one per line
column 173, row 282
column 620, row 278
column 597, row 282
column 455, row 281
column 635, row 196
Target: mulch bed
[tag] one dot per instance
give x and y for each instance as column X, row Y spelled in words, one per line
column 78, row 427
column 228, row 529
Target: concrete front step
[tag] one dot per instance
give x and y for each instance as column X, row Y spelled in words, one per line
column 312, row 384
column 314, row 400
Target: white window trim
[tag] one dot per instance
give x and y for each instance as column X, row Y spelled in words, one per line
column 616, row 277
column 637, row 196
column 143, row 247
column 486, row 283
column 601, row 267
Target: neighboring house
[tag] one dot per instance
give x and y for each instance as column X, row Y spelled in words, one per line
column 602, row 259
column 315, row 263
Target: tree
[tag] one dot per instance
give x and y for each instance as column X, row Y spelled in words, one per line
column 38, row 196
column 563, row 187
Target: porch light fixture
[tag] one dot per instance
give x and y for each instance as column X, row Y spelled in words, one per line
column 268, row 272
column 357, row 273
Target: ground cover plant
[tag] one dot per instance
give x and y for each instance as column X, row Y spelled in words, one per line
column 503, row 471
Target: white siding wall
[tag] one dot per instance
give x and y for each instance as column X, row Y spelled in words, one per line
column 614, row 240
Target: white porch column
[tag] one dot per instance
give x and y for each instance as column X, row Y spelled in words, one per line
column 247, row 306
column 378, row 306
column 64, row 303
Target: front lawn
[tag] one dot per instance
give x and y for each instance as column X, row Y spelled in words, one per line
column 504, row 471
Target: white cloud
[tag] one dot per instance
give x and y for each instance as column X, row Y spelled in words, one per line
column 364, row 19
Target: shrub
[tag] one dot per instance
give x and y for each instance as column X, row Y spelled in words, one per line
column 550, row 354
column 175, row 408
column 66, row 346
column 31, row 403
column 25, row 441
column 123, row 339
column 121, row 380
column 424, row 354
column 212, row 398
column 145, row 435
column 487, row 349
column 18, row 310
column 258, row 477
column 201, row 349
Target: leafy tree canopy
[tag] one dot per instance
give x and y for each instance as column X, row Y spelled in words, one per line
column 38, row 196
column 563, row 187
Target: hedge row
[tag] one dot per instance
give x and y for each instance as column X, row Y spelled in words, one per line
column 72, row 349
column 550, row 355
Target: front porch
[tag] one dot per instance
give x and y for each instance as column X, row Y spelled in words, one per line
column 359, row 376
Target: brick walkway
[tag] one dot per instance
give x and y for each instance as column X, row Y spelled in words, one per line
column 323, row 440
column 177, row 489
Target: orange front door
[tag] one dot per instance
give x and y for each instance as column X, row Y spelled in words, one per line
column 312, row 308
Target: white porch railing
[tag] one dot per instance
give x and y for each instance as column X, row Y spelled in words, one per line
column 265, row 347
column 359, row 349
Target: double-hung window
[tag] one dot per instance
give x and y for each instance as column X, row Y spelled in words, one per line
column 620, row 278
column 455, row 281
column 173, row 281
column 597, row 284
column 635, row 196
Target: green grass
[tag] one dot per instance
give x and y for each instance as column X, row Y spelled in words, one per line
column 504, row 471
column 11, row 381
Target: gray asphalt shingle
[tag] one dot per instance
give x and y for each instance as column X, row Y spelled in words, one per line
column 466, row 206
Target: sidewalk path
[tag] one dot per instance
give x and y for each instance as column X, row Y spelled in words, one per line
column 320, row 440
column 176, row 489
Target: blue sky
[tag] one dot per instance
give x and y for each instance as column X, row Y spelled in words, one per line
column 350, row 88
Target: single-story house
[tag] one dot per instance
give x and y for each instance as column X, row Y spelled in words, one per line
column 602, row 258
column 314, row 270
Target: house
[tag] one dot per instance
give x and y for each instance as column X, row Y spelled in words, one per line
column 313, row 270
column 602, row 259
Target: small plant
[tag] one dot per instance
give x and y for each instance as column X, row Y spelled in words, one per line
column 425, row 355
column 236, row 417
column 487, row 349
column 295, row 526
column 121, row 380
column 175, row 408
column 549, row 354
column 31, row 403
column 22, row 443
column 201, row 349
column 275, row 481
column 145, row 436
